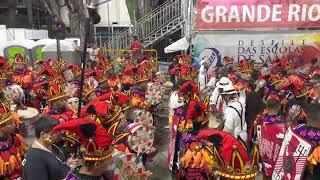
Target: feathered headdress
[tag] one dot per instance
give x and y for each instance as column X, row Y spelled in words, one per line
column 281, row 64
column 296, row 85
column 12, row 149
column 117, row 98
column 96, row 143
column 97, row 75
column 18, row 58
column 101, row 112
column 230, row 156
column 74, row 69
column 244, row 66
column 228, row 60
column 4, row 68
column 189, row 90
column 5, row 113
column 196, row 109
column 50, row 91
column 49, row 74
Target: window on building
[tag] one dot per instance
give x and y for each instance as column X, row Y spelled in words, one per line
column 3, row 11
column 20, row 1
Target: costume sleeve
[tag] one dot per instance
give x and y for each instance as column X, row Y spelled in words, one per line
column 242, row 98
column 212, row 82
column 214, row 96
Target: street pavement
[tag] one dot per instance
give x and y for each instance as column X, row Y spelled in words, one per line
column 158, row 164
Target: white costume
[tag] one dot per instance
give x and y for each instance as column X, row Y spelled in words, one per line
column 202, row 77
column 234, row 117
column 92, row 53
column 174, row 102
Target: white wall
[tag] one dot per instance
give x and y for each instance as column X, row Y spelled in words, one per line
column 118, row 13
column 19, row 34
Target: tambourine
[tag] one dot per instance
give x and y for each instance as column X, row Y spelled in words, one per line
column 143, row 117
column 141, row 137
column 126, row 166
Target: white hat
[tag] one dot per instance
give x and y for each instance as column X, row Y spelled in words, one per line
column 224, row 81
column 168, row 84
column 229, row 89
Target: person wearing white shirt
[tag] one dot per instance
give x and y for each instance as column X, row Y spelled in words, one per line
column 234, row 113
column 202, row 76
column 93, row 52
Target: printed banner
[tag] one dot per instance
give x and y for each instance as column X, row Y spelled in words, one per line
column 292, row 158
column 240, row 14
column 299, row 49
column 270, row 138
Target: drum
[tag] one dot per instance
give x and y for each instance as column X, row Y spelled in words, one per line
column 126, row 166
column 141, row 138
column 143, row 117
column 30, row 117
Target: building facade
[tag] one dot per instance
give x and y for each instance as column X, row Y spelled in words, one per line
column 24, row 14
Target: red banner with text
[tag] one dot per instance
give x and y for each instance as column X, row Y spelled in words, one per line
column 249, row 14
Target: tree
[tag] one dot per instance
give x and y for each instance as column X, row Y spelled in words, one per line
column 76, row 13
column 77, row 19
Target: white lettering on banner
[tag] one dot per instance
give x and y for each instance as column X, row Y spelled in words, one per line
column 248, row 13
column 221, row 12
column 294, row 10
column 269, row 148
column 310, row 12
column 276, row 12
column 234, row 14
column 266, row 9
column 204, row 14
column 304, row 12
column 260, row 13
column 263, row 48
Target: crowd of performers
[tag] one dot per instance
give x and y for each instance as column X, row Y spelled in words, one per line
column 246, row 119
column 109, row 138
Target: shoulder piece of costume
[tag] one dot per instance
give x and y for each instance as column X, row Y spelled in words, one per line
column 96, row 144
column 311, row 134
column 23, row 78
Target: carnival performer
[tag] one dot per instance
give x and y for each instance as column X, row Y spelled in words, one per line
column 196, row 114
column 28, row 115
column 12, row 145
column 307, row 132
column 175, row 102
column 270, row 129
column 53, row 93
column 234, row 113
column 97, row 149
column 22, row 75
column 227, row 156
column 216, row 100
